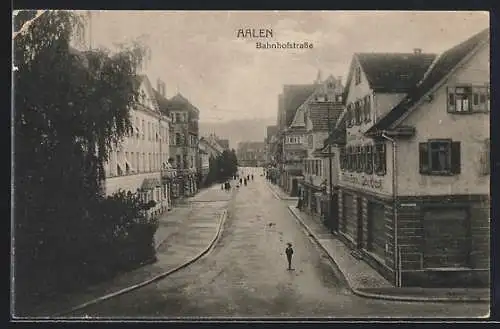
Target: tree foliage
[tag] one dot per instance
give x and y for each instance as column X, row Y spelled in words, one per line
column 70, row 109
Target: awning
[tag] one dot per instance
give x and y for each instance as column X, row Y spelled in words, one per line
column 150, row 183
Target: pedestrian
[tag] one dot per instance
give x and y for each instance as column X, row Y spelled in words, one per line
column 289, row 253
column 222, row 186
column 252, row 176
column 241, row 181
column 245, row 181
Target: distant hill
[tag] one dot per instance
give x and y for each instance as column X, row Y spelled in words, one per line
column 238, row 130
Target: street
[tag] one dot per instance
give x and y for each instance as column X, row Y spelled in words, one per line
column 246, row 274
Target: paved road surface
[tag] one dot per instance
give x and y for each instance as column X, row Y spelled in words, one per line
column 246, row 276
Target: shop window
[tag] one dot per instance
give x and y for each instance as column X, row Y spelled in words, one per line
column 439, row 157
column 446, row 237
column 380, row 159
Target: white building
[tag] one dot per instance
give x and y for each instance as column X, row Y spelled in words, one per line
column 136, row 164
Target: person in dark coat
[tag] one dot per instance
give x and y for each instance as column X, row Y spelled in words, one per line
column 245, row 181
column 251, row 176
column 289, row 253
column 241, row 181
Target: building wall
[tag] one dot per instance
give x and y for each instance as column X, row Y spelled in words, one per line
column 143, row 150
column 384, row 103
column 432, row 120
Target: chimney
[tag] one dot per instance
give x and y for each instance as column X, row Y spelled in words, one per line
column 417, row 51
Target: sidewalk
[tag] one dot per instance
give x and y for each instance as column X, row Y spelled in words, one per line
column 280, row 193
column 173, row 251
column 365, row 281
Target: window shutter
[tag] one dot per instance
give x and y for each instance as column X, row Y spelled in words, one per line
column 423, row 151
column 455, row 158
column 451, row 99
column 485, row 158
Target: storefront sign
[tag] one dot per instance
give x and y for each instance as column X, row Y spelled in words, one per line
column 367, row 181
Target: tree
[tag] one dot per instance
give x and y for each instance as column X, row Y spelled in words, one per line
column 71, row 108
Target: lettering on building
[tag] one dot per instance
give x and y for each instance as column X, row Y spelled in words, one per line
column 367, row 181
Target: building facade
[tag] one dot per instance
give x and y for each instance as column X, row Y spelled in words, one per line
column 136, row 164
column 319, row 114
column 251, row 154
column 184, row 145
column 413, row 192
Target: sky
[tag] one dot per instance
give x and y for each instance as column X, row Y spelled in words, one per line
column 199, row 53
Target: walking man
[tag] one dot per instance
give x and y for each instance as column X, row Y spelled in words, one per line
column 289, row 253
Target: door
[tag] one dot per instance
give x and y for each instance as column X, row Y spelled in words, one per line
column 359, row 213
column 376, row 228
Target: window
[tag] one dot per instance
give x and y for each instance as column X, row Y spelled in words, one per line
column 369, row 159
column 185, row 161
column 137, row 161
column 357, row 112
column 137, row 128
column 348, row 116
column 439, row 157
column 367, row 109
column 172, row 116
column 359, row 159
column 177, row 139
column 379, row 159
column 143, row 130
column 357, row 75
column 468, row 99
column 178, row 161
column 150, row 162
column 178, row 117
column 310, row 141
column 362, row 159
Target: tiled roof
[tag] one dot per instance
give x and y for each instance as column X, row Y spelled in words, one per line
column 318, row 114
column 293, row 97
column 393, row 72
column 390, row 72
column 443, row 65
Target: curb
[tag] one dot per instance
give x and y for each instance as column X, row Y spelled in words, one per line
column 277, row 196
column 222, row 219
column 382, row 296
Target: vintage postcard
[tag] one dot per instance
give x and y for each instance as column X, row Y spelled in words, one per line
column 250, row 165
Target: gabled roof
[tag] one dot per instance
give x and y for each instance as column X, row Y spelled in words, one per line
column 391, row 72
column 318, row 114
column 293, row 97
column 443, row 65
